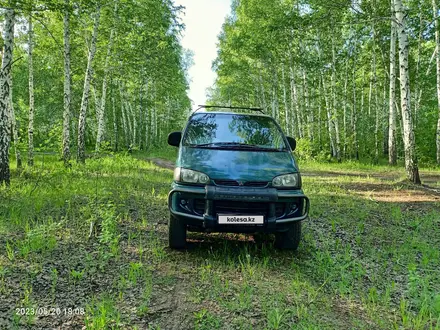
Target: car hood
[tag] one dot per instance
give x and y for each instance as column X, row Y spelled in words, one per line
column 237, row 164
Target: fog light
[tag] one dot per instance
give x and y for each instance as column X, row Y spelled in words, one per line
column 293, row 207
column 183, row 202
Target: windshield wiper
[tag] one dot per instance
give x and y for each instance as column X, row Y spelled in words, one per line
column 235, row 146
column 201, row 145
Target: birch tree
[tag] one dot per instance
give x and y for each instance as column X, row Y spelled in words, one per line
column 392, row 150
column 101, row 108
column 67, row 84
column 4, row 96
column 411, row 165
column 115, row 122
column 81, row 157
column 437, row 59
column 13, row 125
column 334, row 115
column 31, row 93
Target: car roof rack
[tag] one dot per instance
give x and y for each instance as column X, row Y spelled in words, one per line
column 202, row 106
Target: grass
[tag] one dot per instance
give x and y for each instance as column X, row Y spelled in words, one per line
column 92, row 241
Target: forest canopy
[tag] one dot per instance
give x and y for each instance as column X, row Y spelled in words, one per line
column 329, row 73
column 99, row 75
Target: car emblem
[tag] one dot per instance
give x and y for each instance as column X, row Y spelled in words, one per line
column 240, row 183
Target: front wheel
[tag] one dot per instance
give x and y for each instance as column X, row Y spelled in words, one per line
column 176, row 233
column 289, row 239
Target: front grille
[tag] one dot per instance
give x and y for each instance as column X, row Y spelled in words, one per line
column 234, row 183
column 256, row 184
column 238, row 207
column 228, row 183
column 197, row 206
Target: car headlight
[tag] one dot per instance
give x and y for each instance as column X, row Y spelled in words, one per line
column 287, row 180
column 189, row 176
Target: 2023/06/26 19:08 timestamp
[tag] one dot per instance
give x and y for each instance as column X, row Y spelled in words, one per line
column 54, row 311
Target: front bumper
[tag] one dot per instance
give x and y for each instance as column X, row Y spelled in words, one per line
column 202, row 204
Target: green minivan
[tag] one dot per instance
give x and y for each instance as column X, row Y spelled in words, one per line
column 235, row 172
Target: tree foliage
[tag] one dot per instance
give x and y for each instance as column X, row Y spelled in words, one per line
column 322, row 69
column 145, row 76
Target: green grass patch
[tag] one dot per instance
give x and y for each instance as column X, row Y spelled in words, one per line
column 93, row 239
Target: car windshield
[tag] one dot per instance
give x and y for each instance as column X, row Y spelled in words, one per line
column 233, row 131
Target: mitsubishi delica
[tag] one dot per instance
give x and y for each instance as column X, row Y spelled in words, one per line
column 235, row 172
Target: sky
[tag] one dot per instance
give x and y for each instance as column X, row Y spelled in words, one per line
column 203, row 20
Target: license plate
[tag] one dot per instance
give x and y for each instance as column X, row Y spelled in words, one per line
column 240, row 219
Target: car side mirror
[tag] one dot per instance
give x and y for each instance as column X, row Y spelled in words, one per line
column 292, row 142
column 174, row 138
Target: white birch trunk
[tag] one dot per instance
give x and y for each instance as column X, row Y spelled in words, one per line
column 140, row 117
column 319, row 115
column 168, row 119
column 152, row 121
column 115, row 123
column 286, row 107
column 263, row 92
column 370, row 95
column 329, row 118
column 101, row 126
column 257, row 94
column 127, row 135
column 373, row 88
column 134, row 126
column 437, row 58
column 383, row 120
column 85, row 98
column 126, row 123
column 293, row 127
column 155, row 124
column 408, row 129
column 147, row 129
column 273, row 101
column 129, row 126
column 392, row 150
column 361, row 109
column 67, row 86
column 334, row 105
column 96, row 98
column 275, row 96
column 376, row 102
column 354, row 115
column 307, row 110
column 295, row 105
column 345, row 109
column 4, row 96
column 299, row 118
column 99, row 119
column 124, row 126
column 417, row 85
column 147, row 119
column 13, row 125
column 31, row 95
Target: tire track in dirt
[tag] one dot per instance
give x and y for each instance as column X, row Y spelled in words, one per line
column 162, row 163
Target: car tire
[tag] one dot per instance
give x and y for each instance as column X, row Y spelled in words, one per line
column 289, row 240
column 176, row 233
